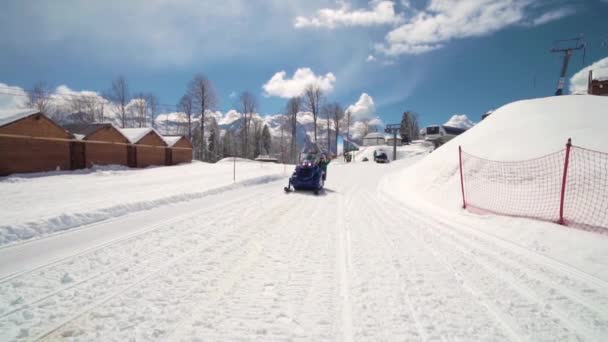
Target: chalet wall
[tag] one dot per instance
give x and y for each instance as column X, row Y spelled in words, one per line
column 98, row 153
column 181, row 155
column 150, row 155
column 24, row 154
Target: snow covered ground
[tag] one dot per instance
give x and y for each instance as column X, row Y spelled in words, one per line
column 380, row 255
column 35, row 205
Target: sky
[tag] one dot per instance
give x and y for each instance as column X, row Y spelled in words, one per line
column 380, row 58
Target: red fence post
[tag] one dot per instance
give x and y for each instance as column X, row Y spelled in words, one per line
column 565, row 177
column 464, row 203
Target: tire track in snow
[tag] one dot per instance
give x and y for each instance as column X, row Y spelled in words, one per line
column 344, row 266
column 530, row 300
column 382, row 297
column 444, row 306
column 48, row 284
column 94, row 263
column 72, row 327
column 570, row 295
column 80, row 296
column 205, row 322
column 239, row 273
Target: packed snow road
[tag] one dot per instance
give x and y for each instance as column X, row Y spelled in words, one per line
column 254, row 263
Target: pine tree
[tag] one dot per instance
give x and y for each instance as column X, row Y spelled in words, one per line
column 266, row 139
column 212, row 144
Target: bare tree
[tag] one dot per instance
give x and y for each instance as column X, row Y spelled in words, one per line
column 119, row 94
column 85, row 108
column 410, row 129
column 313, row 96
column 335, row 113
column 152, row 104
column 185, row 105
column 293, row 108
column 347, row 118
column 40, row 98
column 139, row 109
column 204, row 98
column 247, row 107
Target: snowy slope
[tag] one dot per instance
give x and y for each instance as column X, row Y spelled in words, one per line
column 518, row 131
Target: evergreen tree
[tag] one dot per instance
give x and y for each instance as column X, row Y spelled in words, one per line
column 228, row 145
column 266, row 139
column 211, row 144
column 409, row 126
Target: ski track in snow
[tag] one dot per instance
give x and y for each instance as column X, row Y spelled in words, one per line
column 353, row 264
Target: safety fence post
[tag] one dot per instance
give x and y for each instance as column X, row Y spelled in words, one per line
column 464, row 203
column 564, row 178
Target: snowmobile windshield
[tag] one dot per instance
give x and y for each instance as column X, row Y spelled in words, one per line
column 308, row 159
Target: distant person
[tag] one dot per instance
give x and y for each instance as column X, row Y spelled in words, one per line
column 323, row 165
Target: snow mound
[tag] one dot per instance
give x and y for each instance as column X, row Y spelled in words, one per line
column 578, row 82
column 517, row 131
column 459, row 121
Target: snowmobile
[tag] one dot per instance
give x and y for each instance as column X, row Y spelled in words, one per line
column 308, row 175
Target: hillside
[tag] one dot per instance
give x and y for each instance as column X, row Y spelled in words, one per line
column 517, row 131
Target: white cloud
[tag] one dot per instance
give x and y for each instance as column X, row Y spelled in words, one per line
column 363, row 109
column 578, row 82
column 552, row 16
column 445, row 20
column 382, row 13
column 280, row 86
column 460, row 121
column 232, row 95
column 370, row 58
column 230, row 117
column 363, row 117
column 12, row 97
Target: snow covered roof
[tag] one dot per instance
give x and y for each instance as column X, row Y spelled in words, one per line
column 374, row 135
column 391, row 137
column 136, row 134
column 86, row 129
column 172, row 139
column 8, row 116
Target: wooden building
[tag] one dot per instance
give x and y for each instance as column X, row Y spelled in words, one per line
column 148, row 147
column 31, row 142
column 179, row 150
column 597, row 85
column 104, row 144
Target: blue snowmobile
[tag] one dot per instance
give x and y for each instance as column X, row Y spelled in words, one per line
column 309, row 174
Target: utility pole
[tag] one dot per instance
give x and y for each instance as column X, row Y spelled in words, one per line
column 393, row 129
column 567, row 51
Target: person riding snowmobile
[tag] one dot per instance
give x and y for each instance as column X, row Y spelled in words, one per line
column 323, row 162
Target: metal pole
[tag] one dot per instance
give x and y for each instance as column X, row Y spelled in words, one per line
column 565, row 177
column 560, row 84
column 464, row 202
column 394, row 145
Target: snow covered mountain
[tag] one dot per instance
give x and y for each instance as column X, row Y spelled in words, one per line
column 459, row 121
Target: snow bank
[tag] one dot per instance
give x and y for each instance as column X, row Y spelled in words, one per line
column 36, row 205
column 517, row 131
column 403, row 152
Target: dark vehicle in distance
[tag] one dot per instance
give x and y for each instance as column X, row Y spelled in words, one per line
column 380, row 156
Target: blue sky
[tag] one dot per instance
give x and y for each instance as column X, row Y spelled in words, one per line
column 436, row 57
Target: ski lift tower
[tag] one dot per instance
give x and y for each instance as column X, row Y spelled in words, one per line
column 579, row 44
column 393, row 129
